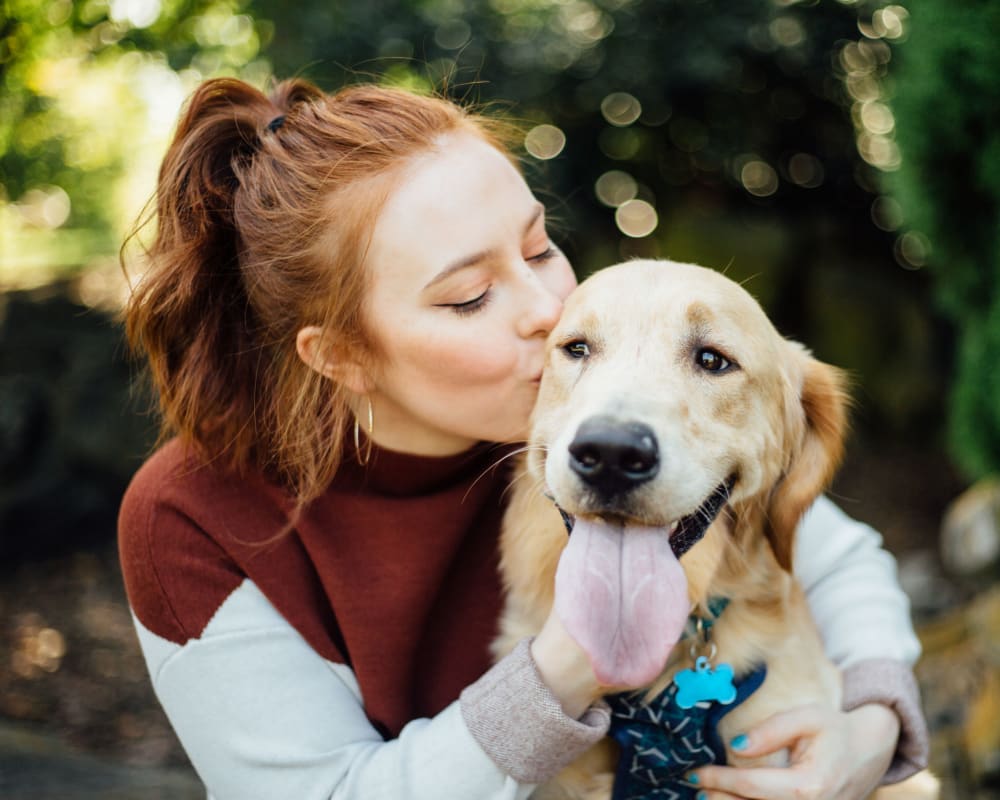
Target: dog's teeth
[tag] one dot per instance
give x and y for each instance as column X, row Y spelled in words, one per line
column 674, row 524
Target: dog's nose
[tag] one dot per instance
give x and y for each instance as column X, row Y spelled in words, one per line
column 613, row 456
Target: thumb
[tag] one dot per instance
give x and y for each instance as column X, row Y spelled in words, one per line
column 778, row 732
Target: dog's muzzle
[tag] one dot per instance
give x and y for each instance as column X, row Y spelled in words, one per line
column 614, row 457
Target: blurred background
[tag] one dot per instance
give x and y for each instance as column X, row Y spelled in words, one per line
column 842, row 157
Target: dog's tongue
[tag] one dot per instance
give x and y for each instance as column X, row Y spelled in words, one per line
column 622, row 595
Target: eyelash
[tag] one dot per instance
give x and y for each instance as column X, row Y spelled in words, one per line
column 471, row 306
column 545, row 255
column 479, row 303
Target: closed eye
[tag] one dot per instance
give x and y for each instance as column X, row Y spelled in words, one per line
column 469, row 306
column 548, row 253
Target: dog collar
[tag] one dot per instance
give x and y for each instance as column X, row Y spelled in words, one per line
column 690, row 529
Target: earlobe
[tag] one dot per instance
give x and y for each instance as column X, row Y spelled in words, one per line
column 316, row 351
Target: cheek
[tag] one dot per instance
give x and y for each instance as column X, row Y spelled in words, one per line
column 454, row 360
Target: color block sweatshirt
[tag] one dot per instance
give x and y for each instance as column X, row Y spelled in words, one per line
column 349, row 658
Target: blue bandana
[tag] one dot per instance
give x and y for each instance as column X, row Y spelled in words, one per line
column 660, row 741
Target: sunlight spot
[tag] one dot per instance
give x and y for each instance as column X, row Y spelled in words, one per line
column 137, row 13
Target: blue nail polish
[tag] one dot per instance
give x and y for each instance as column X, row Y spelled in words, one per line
column 739, row 742
column 691, row 778
column 701, row 796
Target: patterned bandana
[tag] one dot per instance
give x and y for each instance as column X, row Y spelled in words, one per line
column 660, row 741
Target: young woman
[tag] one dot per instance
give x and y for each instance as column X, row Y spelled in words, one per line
column 344, row 318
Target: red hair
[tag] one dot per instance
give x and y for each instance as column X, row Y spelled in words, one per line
column 262, row 229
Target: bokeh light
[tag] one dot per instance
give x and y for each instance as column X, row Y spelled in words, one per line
column 45, row 207
column 621, row 109
column 615, row 188
column 759, row 178
column 137, row 13
column 887, row 213
column 545, row 141
column 890, row 22
column 453, row 34
column 912, row 250
column 805, row 170
column 787, row 31
column 636, row 218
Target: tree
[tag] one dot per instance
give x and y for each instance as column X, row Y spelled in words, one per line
column 89, row 90
column 947, row 103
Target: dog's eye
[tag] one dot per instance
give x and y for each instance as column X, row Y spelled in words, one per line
column 712, row 360
column 576, row 349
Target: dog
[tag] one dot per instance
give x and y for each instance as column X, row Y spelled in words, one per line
column 681, row 438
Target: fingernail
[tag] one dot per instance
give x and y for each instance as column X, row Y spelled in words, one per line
column 701, row 796
column 739, row 742
column 692, row 779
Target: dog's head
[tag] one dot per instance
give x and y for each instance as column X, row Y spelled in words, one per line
column 668, row 394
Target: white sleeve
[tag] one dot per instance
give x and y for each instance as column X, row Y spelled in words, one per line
column 852, row 589
column 262, row 716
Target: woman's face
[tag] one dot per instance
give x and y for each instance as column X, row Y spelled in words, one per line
column 465, row 285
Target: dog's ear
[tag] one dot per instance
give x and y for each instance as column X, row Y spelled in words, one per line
column 816, row 427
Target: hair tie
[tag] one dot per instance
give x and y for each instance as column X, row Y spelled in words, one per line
column 276, row 123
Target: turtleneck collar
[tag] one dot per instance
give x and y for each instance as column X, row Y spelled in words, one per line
column 396, row 474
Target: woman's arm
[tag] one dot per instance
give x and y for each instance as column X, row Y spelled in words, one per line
column 262, row 715
column 880, row 735
column 864, row 618
column 853, row 590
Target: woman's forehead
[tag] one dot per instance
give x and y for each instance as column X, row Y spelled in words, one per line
column 461, row 199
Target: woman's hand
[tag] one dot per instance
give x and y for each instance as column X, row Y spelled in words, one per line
column 833, row 755
column 564, row 667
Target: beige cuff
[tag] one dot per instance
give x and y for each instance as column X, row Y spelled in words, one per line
column 521, row 726
column 891, row 683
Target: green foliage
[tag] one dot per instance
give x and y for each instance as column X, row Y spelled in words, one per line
column 726, row 124
column 87, row 89
column 948, row 110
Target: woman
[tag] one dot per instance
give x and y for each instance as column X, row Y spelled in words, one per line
column 347, row 302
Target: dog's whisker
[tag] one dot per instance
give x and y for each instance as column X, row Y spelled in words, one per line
column 537, row 488
column 526, row 448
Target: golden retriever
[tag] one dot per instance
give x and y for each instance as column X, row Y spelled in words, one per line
column 672, row 415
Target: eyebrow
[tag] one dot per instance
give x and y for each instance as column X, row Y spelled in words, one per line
column 482, row 255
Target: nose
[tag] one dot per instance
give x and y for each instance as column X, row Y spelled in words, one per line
column 542, row 309
column 613, row 456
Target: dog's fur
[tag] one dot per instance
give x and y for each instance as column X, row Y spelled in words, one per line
column 774, row 421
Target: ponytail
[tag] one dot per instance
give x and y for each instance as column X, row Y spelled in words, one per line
column 190, row 313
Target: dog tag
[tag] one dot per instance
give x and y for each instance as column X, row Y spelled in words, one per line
column 703, row 684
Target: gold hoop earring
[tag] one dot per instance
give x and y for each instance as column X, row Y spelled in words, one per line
column 363, row 461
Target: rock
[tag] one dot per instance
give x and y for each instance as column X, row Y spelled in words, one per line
column 959, row 677
column 970, row 532
column 930, row 592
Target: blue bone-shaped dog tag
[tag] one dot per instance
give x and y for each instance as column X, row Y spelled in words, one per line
column 704, row 683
